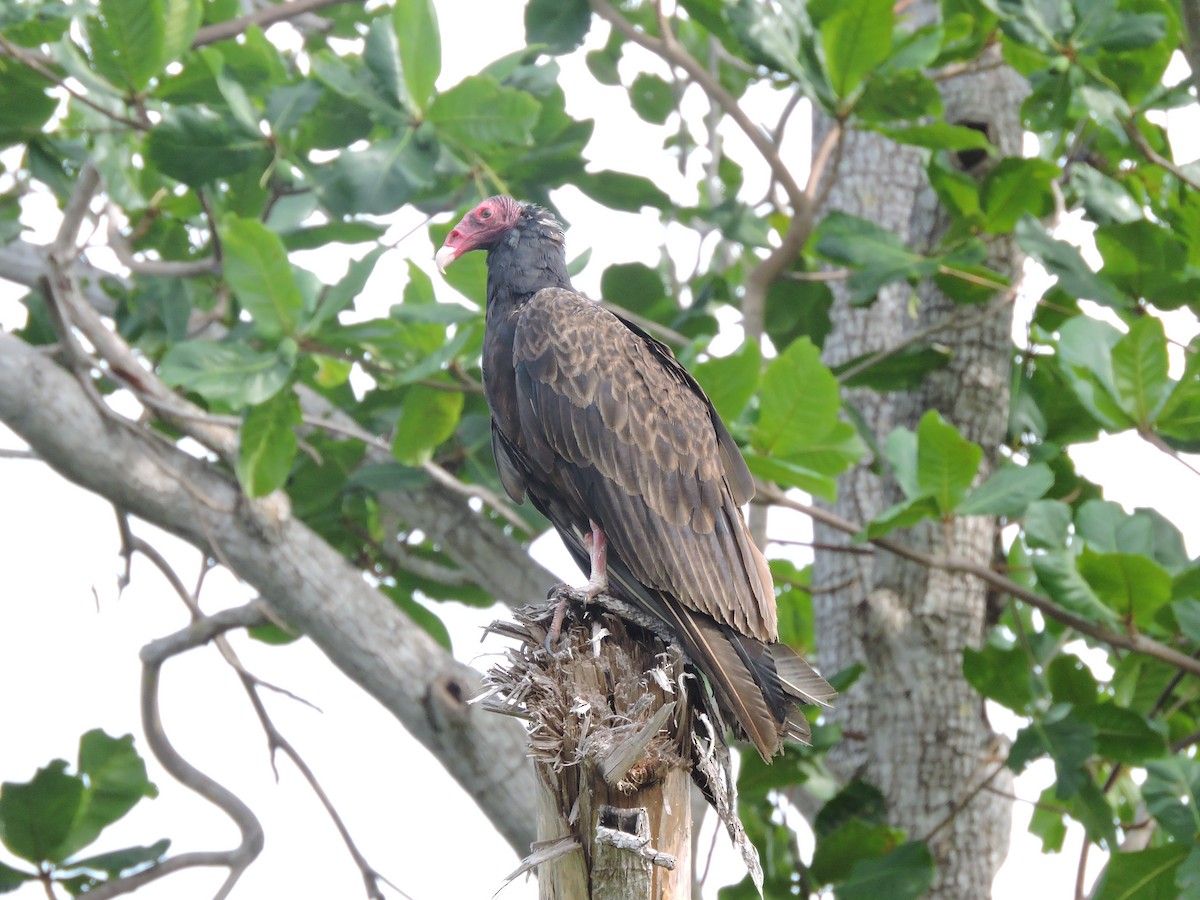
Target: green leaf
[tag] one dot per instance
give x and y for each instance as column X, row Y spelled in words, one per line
column 1067, row 740
column 24, row 104
column 234, row 374
column 1058, row 575
column 11, row 879
column 901, row 453
column 428, row 417
column 904, row 874
column 903, row 96
column 1139, row 364
column 1008, row 491
column 652, row 98
column 381, row 56
column 798, row 402
column 1065, row 261
column 940, row 136
column 420, row 42
column 268, row 444
column 1014, row 188
column 1000, row 673
column 633, row 286
column 181, row 19
column 856, row 39
column 901, row 515
column 116, row 781
column 851, row 842
column 559, row 24
column 378, row 179
column 1141, row 258
column 343, row 294
column 128, row 41
column 115, row 862
column 1107, row 528
column 1179, row 417
column 481, row 114
column 880, row 255
column 195, row 145
column 1172, row 795
column 620, row 190
column 1187, row 615
column 1132, row 585
column 379, row 478
column 1071, row 681
column 858, row 799
column 730, row 381
column 1047, row 822
column 36, row 817
column 946, row 461
column 786, row 473
column 256, row 267
column 1123, row 735
column 1144, row 875
column 1085, row 352
column 900, row 371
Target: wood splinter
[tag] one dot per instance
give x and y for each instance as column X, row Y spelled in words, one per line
column 618, row 731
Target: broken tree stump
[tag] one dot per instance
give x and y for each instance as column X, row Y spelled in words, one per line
column 612, row 715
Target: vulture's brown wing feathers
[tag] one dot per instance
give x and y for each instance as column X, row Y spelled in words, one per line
column 618, row 426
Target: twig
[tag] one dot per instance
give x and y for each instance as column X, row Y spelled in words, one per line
column 237, row 860
column 1159, row 444
column 276, row 741
column 162, row 268
column 674, row 53
column 1133, row 641
column 1139, row 141
column 647, row 324
column 6, row 453
column 819, row 275
column 267, row 15
column 487, row 496
column 33, row 63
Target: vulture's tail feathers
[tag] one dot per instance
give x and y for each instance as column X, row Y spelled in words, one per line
column 799, row 679
column 757, row 685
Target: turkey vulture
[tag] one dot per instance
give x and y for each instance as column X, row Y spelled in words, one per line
column 618, row 446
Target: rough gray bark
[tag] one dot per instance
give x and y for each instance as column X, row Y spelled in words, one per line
column 912, row 723
column 306, row 583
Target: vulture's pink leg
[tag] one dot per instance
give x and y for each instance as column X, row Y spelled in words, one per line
column 597, row 546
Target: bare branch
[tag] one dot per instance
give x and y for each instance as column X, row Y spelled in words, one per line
column 262, row 17
column 301, row 579
column 1139, row 141
column 1133, row 641
column 239, row 858
column 676, row 54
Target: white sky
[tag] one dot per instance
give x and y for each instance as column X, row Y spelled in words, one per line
column 69, row 643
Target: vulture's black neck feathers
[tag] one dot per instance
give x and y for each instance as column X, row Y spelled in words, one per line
column 529, row 257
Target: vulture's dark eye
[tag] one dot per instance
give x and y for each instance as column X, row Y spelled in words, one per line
column 485, row 213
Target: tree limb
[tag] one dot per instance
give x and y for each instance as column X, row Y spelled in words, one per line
column 302, row 580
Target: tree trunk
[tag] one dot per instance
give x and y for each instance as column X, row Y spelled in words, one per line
column 912, row 724
column 610, row 733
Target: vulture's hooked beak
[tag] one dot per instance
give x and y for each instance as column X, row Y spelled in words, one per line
column 452, row 249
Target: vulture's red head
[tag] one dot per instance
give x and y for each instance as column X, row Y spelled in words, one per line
column 480, row 229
